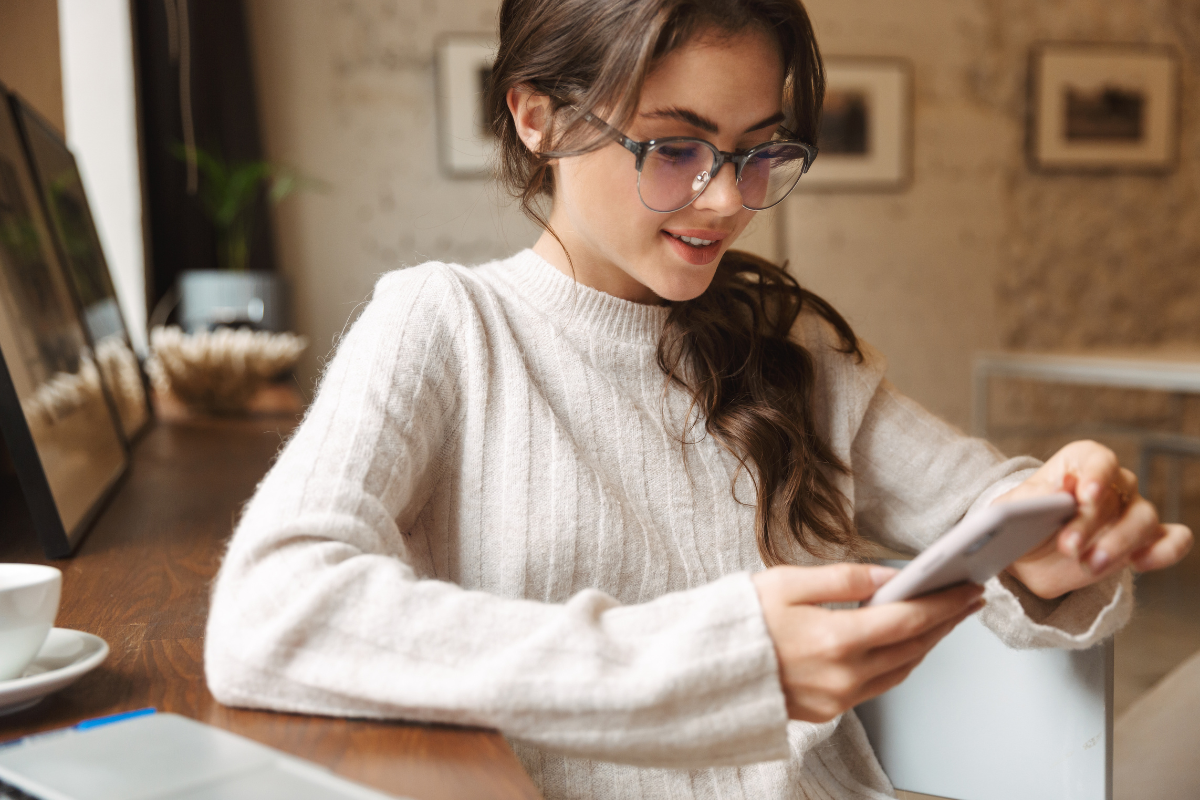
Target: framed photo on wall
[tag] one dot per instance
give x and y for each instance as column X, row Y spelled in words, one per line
column 55, row 416
column 462, row 69
column 865, row 142
column 65, row 204
column 1103, row 107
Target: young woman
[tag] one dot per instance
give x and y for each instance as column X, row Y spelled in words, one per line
column 595, row 494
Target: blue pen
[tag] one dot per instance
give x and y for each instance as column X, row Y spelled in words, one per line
column 87, row 724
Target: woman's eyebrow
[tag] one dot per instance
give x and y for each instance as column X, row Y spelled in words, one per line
column 704, row 123
column 774, row 119
column 684, row 115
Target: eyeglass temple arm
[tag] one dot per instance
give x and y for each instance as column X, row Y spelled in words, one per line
column 637, row 148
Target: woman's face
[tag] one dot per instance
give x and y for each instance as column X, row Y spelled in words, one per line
column 725, row 89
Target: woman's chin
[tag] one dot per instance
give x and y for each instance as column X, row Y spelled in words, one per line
column 685, row 285
column 684, row 272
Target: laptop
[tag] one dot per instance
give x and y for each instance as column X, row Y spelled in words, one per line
column 154, row 756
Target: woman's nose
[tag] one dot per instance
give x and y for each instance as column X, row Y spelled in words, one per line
column 722, row 194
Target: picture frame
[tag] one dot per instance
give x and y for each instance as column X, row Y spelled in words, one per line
column 1103, row 107
column 865, row 142
column 462, row 67
column 56, row 420
column 65, row 205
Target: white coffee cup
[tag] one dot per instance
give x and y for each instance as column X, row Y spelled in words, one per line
column 29, row 596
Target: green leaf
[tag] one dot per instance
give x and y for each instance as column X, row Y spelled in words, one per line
column 227, row 194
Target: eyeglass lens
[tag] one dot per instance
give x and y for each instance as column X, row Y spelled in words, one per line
column 675, row 173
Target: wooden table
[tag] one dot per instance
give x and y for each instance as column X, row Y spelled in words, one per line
column 141, row 580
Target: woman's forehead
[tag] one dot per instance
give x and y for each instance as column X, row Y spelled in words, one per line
column 730, row 82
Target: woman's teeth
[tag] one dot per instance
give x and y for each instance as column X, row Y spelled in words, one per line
column 692, row 240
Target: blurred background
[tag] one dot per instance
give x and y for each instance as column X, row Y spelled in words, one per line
column 981, row 243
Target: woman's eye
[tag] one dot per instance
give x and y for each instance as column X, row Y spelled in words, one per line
column 677, row 154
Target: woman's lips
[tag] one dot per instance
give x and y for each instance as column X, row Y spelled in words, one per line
column 698, row 256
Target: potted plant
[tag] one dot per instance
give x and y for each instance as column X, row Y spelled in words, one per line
column 232, row 294
column 234, row 337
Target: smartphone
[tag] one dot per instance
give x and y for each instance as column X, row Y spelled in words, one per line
column 977, row 548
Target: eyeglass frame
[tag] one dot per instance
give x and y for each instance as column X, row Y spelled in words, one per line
column 720, row 158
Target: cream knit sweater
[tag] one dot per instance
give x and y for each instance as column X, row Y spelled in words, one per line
column 487, row 518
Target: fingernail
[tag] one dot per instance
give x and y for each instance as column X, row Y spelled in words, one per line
column 880, row 575
column 1091, row 492
column 978, row 604
column 1074, row 542
column 1098, row 561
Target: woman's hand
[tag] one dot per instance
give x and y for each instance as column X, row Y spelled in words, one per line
column 1114, row 528
column 832, row 660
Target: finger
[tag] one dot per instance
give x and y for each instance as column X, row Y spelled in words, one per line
column 1137, row 529
column 1097, row 465
column 1129, row 483
column 882, row 660
column 1175, row 543
column 1101, row 502
column 890, row 623
column 837, row 583
column 909, row 655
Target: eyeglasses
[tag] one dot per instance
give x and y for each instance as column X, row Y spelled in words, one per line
column 674, row 171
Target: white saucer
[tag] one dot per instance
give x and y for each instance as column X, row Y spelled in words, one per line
column 65, row 656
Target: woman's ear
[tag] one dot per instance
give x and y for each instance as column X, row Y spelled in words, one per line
column 530, row 112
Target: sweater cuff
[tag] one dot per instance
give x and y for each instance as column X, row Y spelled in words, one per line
column 1002, row 486
column 758, row 708
column 1074, row 621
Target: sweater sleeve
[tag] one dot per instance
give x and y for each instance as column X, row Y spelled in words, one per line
column 914, row 476
column 318, row 608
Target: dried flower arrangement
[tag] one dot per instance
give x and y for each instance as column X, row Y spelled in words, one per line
column 219, row 371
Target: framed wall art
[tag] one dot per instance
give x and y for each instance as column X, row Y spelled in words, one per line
column 865, row 142
column 54, row 413
column 65, row 204
column 462, row 69
column 1103, row 107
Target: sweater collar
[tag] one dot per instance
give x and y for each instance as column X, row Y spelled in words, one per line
column 574, row 306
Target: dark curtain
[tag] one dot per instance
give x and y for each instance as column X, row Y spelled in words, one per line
column 195, row 84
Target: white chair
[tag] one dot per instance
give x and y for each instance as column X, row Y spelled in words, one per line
column 979, row 721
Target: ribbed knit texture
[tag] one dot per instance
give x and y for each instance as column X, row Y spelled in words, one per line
column 488, row 518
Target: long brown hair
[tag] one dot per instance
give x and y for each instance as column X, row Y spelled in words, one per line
column 731, row 347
